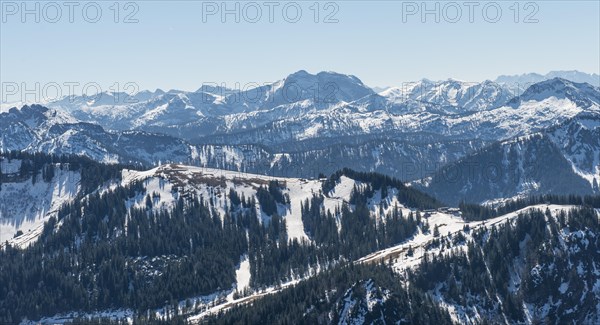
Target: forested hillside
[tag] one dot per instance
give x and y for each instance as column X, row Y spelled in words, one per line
column 145, row 240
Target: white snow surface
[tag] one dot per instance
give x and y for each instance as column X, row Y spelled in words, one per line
column 447, row 223
column 215, row 184
column 26, row 207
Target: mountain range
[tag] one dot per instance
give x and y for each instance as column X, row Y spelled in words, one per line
column 306, row 124
column 524, row 80
column 312, row 200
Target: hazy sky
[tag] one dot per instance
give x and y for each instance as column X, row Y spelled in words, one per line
column 182, row 45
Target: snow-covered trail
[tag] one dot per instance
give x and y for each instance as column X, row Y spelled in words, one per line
column 447, row 224
column 196, row 319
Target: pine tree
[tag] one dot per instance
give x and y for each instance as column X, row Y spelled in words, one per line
column 148, row 202
column 436, row 231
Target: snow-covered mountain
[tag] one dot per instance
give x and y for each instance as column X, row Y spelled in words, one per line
column 520, row 83
column 582, row 95
column 371, row 133
column 166, row 185
column 270, row 236
column 304, row 106
column 39, row 129
column 298, row 96
column 564, row 159
column 237, row 221
column 453, row 95
column 122, row 112
column 28, row 200
column 341, row 123
column 579, row 142
column 544, row 105
column 215, row 187
column 193, row 114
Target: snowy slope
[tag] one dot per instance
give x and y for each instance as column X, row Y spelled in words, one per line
column 327, row 104
column 544, row 105
column 569, row 244
column 454, row 96
column 525, row 80
column 564, row 159
column 426, row 124
column 448, row 221
column 26, row 207
column 39, row 129
column 579, row 141
column 166, row 183
column 530, row 166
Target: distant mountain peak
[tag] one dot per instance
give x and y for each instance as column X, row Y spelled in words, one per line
column 300, row 73
column 323, row 75
column 214, row 89
column 559, row 84
column 523, row 80
column 26, row 112
column 583, row 94
column 325, row 87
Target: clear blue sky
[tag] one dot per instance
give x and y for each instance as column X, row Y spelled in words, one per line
column 171, row 46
